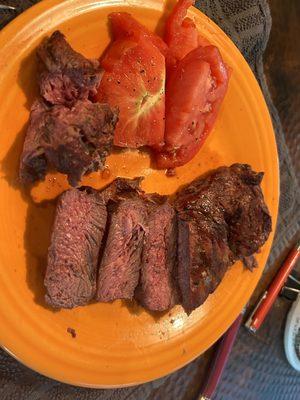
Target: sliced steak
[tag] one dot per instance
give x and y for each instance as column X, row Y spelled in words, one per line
column 121, row 261
column 203, row 259
column 33, row 162
column 222, row 218
column 157, row 290
column 73, row 141
column 73, row 253
column 67, row 75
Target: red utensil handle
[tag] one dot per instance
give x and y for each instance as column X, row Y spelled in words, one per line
column 220, row 359
column 271, row 294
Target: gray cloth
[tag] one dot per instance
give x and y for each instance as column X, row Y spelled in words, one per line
column 248, row 23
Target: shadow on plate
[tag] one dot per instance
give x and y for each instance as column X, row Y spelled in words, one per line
column 36, row 242
column 135, row 309
column 40, row 216
column 27, row 78
column 39, row 220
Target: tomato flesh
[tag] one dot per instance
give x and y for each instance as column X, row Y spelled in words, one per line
column 124, row 26
column 134, row 81
column 181, row 34
column 194, row 95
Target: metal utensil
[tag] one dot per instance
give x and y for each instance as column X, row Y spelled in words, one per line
column 3, row 7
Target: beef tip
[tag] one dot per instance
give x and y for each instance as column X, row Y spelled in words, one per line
column 203, row 259
column 67, row 75
column 121, row 262
column 81, row 138
column 57, row 55
column 33, row 163
column 73, row 253
column 222, row 218
column 67, row 132
column 73, row 141
column 157, row 289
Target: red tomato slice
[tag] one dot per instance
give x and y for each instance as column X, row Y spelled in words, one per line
column 181, row 34
column 194, row 94
column 134, row 81
column 124, row 26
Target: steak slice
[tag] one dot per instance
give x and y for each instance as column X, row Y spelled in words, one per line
column 73, row 141
column 67, row 75
column 33, row 162
column 157, row 289
column 73, row 253
column 121, row 261
column 203, row 259
column 222, row 218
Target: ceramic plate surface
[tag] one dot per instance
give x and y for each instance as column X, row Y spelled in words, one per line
column 116, row 344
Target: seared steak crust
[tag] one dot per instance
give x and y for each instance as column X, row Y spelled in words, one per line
column 73, row 141
column 67, row 76
column 222, row 218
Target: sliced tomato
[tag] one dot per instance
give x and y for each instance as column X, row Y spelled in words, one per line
column 194, row 94
column 124, row 26
column 181, row 34
column 134, row 81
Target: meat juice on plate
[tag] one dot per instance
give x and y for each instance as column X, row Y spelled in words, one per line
column 130, row 164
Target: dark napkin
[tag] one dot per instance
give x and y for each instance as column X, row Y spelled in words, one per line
column 257, row 369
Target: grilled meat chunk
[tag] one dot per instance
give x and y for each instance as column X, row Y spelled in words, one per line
column 74, row 141
column 157, row 290
column 67, row 76
column 121, row 261
column 75, row 242
column 222, row 218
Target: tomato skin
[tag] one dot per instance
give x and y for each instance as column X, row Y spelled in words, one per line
column 174, row 22
column 134, row 81
column 181, row 34
column 194, row 95
column 124, row 26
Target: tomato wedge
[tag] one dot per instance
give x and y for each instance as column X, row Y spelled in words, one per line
column 134, row 81
column 194, row 95
column 181, row 34
column 124, row 26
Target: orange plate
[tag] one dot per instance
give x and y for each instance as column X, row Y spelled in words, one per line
column 116, row 344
